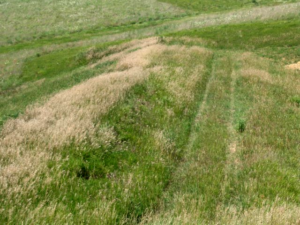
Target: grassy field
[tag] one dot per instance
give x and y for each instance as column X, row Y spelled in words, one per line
column 242, row 167
column 196, row 122
column 28, row 20
column 221, row 5
column 278, row 40
column 33, row 70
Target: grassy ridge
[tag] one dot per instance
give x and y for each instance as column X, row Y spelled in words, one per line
column 47, row 73
column 129, row 169
column 275, row 39
column 219, row 5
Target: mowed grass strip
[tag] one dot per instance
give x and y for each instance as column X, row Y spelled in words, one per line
column 118, row 172
column 204, row 6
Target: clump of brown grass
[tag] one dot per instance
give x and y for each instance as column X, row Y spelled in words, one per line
column 184, row 80
column 186, row 211
column 273, row 215
column 251, row 60
column 162, row 142
column 257, row 73
column 122, row 50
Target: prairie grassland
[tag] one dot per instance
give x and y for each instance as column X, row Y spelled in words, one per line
column 195, row 127
column 15, row 56
column 277, row 39
column 28, row 20
column 60, row 158
column 257, row 180
column 46, row 73
column 54, row 61
column 87, row 37
column 241, row 163
column 67, row 116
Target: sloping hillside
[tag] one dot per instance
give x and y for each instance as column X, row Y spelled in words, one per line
column 198, row 125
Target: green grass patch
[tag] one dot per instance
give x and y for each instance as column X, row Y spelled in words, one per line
column 275, row 39
column 220, row 5
column 48, row 73
column 52, row 64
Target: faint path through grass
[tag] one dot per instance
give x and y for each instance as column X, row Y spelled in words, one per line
column 196, row 125
column 232, row 161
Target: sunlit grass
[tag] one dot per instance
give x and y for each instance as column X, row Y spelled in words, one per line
column 29, row 20
column 194, row 127
column 275, row 39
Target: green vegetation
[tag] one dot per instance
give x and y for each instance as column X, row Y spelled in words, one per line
column 41, row 19
column 276, row 39
column 149, row 131
column 220, row 5
column 197, row 126
column 46, row 73
column 230, row 177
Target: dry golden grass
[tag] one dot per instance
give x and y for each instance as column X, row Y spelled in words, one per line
column 187, row 212
column 268, row 214
column 139, row 57
column 26, row 143
column 251, row 60
column 104, row 213
column 120, row 50
column 128, row 51
column 66, row 117
column 180, row 85
column 162, row 142
column 257, row 74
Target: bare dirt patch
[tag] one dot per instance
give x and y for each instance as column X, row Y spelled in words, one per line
column 294, row 66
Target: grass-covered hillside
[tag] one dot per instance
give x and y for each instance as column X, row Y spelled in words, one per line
column 149, row 116
column 28, row 20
